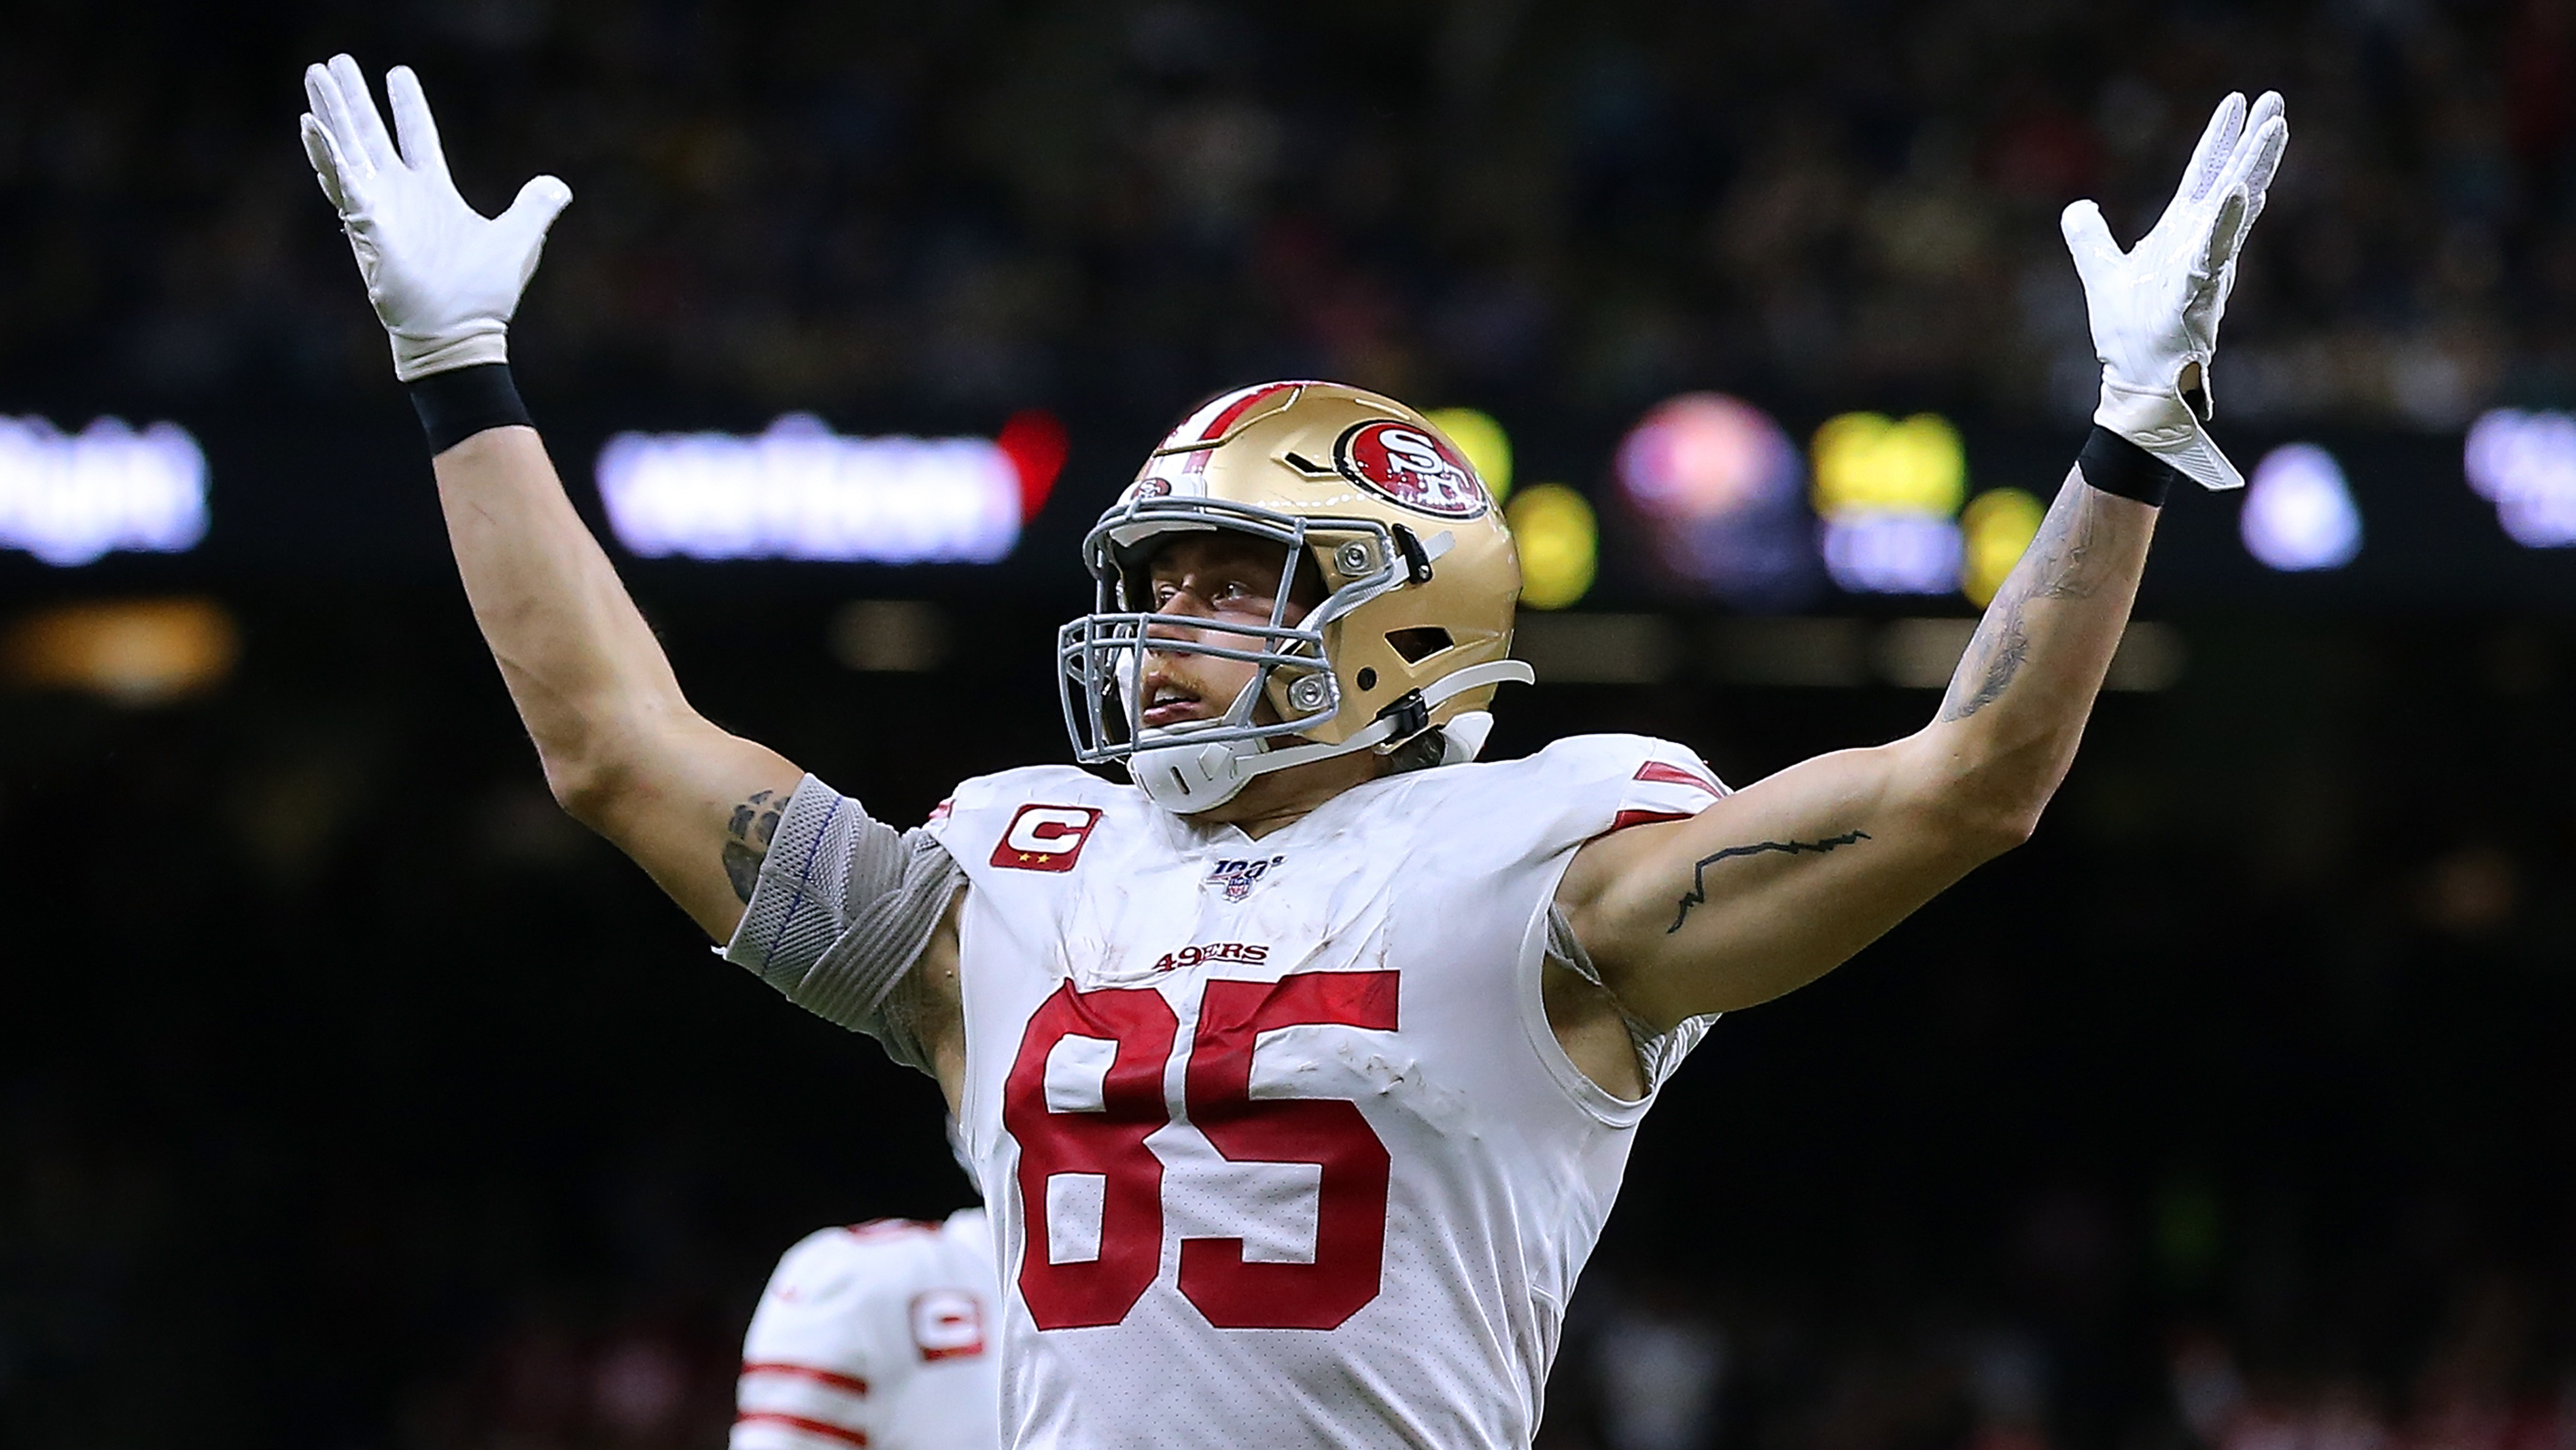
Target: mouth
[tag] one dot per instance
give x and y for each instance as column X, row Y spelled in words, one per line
column 1167, row 704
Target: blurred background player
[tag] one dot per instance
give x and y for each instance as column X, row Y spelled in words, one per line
column 877, row 1334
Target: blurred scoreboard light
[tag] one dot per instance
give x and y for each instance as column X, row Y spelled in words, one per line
column 1996, row 528
column 1559, row 543
column 1892, row 553
column 1889, row 492
column 1717, row 483
column 2298, row 513
column 801, row 491
column 1487, row 446
column 68, row 498
column 134, row 652
column 2525, row 464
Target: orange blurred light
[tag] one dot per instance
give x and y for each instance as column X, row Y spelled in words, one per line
column 136, row 652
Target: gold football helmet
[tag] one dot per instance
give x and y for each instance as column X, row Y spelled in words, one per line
column 1414, row 631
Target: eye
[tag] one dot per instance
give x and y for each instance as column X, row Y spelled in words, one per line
column 1161, row 592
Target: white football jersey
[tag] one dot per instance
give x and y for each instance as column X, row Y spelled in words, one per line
column 880, row 1334
column 1280, row 1146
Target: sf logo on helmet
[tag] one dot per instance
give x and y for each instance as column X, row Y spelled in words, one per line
column 1407, row 466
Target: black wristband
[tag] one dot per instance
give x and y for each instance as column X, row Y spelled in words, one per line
column 457, row 404
column 2113, row 464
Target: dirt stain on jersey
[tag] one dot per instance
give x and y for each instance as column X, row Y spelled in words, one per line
column 1400, row 1078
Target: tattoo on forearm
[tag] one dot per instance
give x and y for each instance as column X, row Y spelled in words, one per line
column 2063, row 562
column 1999, row 653
column 1698, row 894
column 754, row 823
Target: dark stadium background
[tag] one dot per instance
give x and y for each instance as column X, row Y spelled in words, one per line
column 352, row 1097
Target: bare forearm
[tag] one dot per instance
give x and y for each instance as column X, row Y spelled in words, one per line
column 580, row 663
column 622, row 748
column 2016, row 708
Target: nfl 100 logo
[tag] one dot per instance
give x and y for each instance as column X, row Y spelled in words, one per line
column 1239, row 877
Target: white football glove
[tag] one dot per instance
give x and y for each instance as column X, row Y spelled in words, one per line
column 2155, row 309
column 443, row 277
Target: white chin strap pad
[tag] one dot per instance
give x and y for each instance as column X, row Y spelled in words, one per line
column 1185, row 779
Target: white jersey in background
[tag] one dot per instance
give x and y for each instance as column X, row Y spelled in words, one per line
column 1282, row 1149
column 880, row 1335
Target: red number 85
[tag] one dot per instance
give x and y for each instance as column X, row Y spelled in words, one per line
column 1351, row 1202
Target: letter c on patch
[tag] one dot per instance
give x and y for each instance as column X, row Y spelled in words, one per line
column 1045, row 838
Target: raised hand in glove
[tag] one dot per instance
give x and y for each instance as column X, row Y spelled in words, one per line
column 444, row 278
column 2155, row 308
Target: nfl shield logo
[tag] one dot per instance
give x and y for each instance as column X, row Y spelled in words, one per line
column 1239, row 877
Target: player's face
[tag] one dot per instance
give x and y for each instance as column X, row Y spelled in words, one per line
column 1223, row 579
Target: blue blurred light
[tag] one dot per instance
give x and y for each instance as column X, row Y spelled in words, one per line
column 2299, row 514
column 801, row 491
column 2525, row 464
column 68, row 498
column 1892, row 553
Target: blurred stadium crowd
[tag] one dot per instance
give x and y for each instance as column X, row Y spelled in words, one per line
column 982, row 205
column 351, row 1097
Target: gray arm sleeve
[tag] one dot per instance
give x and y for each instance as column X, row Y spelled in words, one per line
column 1658, row 1053
column 843, row 909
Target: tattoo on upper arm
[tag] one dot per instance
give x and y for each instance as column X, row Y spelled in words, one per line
column 1698, row 894
column 2063, row 562
column 754, row 825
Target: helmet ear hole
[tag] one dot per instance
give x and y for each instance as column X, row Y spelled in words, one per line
column 1419, row 644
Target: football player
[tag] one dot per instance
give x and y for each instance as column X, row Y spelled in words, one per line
column 877, row 1334
column 1300, row 1068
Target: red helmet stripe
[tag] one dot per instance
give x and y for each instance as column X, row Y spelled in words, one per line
column 1226, row 418
column 1235, row 410
column 1227, row 412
